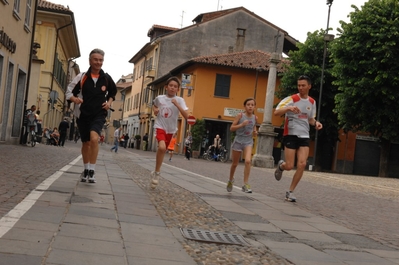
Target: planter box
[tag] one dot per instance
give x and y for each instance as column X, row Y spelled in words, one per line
column 195, row 154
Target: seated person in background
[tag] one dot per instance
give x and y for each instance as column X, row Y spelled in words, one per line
column 55, row 135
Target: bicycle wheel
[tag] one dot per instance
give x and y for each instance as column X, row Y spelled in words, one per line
column 223, row 157
column 32, row 138
column 209, row 157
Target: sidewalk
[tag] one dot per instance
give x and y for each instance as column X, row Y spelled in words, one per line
column 120, row 220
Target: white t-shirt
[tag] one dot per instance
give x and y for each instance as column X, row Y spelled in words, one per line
column 168, row 113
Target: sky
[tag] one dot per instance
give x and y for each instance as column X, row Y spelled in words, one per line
column 120, row 27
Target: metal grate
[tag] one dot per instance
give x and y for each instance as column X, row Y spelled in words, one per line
column 227, row 196
column 215, row 237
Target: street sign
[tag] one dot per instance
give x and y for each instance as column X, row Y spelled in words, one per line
column 191, row 120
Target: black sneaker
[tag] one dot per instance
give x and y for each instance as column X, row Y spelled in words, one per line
column 84, row 175
column 91, row 177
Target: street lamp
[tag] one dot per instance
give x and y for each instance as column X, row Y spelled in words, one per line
column 327, row 38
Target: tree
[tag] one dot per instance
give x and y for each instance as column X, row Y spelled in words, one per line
column 308, row 60
column 198, row 131
column 366, row 66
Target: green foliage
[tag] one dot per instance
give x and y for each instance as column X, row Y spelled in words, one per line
column 308, row 60
column 137, row 136
column 198, row 130
column 366, row 68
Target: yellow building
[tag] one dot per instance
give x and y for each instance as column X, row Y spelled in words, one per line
column 56, row 36
column 16, row 51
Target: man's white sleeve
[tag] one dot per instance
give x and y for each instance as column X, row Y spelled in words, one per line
column 72, row 85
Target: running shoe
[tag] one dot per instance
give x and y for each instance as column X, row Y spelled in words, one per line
column 246, row 188
column 278, row 173
column 289, row 196
column 84, row 175
column 91, row 177
column 230, row 185
column 154, row 179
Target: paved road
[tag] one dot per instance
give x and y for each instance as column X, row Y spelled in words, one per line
column 367, row 205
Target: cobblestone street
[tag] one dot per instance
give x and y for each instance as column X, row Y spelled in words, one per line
column 367, row 205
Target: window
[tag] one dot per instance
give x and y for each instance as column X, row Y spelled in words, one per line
column 142, row 69
column 222, row 86
column 59, row 73
column 149, row 65
column 16, row 9
column 28, row 12
column 240, row 32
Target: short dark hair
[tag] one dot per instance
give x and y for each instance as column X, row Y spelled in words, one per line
column 305, row 77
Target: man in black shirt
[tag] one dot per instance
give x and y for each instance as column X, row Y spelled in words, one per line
column 63, row 128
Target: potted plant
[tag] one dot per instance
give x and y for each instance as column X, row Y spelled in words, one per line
column 198, row 131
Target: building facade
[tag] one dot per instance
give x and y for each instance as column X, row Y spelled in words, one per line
column 16, row 52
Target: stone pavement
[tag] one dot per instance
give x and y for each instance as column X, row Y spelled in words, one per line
column 120, row 220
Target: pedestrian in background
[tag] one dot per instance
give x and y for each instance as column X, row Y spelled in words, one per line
column 126, row 140
column 117, row 139
column 171, row 146
column 166, row 109
column 93, row 93
column 63, row 128
column 300, row 112
column 26, row 123
column 145, row 142
column 244, row 125
column 187, row 146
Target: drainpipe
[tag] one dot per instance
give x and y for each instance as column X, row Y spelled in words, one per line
column 141, row 95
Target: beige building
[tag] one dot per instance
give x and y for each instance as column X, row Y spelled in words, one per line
column 57, row 37
column 38, row 43
column 16, row 43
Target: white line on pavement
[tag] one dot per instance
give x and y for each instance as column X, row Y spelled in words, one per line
column 13, row 216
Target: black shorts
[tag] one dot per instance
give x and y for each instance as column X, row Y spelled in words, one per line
column 294, row 142
column 86, row 125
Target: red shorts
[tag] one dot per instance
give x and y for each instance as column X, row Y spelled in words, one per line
column 163, row 136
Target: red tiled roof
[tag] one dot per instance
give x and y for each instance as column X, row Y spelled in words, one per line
column 247, row 59
column 163, row 27
column 212, row 15
column 43, row 4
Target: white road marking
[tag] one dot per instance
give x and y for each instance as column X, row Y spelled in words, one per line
column 13, row 216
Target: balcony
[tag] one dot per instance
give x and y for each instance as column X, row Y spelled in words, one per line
column 150, row 72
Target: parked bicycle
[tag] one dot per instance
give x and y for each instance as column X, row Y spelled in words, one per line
column 210, row 155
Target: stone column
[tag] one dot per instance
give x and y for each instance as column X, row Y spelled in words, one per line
column 264, row 149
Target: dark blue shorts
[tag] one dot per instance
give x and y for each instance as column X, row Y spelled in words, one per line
column 294, row 142
column 86, row 125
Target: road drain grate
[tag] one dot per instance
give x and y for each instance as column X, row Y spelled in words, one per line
column 215, row 237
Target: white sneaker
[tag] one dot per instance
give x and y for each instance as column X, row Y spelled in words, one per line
column 91, row 177
column 154, row 179
column 278, row 173
column 289, row 196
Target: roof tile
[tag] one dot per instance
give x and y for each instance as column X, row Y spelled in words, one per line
column 247, row 59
